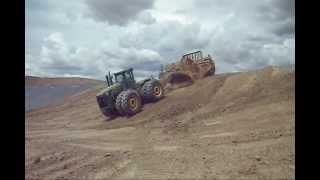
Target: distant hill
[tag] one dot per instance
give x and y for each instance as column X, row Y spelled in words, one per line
column 33, row 80
column 290, row 67
column 40, row 92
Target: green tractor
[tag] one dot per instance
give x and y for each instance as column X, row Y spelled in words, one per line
column 125, row 96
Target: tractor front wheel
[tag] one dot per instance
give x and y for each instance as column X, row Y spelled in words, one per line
column 118, row 103
column 131, row 102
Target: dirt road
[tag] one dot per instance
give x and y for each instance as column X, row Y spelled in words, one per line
column 227, row 126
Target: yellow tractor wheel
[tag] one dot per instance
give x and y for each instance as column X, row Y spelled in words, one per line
column 131, row 102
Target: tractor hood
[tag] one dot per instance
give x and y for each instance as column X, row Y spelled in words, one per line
column 114, row 87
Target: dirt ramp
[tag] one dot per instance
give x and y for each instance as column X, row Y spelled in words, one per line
column 227, row 126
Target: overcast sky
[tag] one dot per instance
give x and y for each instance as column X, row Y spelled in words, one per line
column 90, row 37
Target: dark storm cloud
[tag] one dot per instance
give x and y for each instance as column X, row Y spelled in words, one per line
column 36, row 5
column 118, row 12
column 278, row 17
column 277, row 10
column 287, row 6
column 284, row 28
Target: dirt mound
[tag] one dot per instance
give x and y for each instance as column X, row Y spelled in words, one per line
column 231, row 126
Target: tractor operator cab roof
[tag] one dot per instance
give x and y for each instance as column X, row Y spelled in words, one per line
column 125, row 74
column 123, row 71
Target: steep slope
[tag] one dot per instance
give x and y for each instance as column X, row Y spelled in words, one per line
column 237, row 125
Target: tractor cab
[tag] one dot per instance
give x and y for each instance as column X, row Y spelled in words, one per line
column 124, row 78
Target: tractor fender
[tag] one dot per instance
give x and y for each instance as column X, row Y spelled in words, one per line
column 142, row 82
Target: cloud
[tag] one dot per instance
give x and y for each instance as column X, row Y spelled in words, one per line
column 277, row 13
column 118, row 12
column 61, row 39
column 146, row 17
column 170, row 38
column 58, row 58
column 284, row 28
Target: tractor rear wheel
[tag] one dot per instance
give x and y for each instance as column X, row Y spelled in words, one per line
column 152, row 90
column 131, row 102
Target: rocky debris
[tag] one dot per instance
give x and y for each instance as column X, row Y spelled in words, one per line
column 107, row 155
column 37, row 160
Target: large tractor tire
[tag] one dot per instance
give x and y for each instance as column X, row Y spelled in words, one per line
column 131, row 102
column 152, row 91
column 118, row 103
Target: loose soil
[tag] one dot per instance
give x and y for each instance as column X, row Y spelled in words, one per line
column 232, row 126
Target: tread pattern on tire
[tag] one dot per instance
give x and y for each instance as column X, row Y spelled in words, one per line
column 125, row 101
column 119, row 102
column 147, row 90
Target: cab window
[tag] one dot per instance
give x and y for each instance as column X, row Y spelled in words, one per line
column 128, row 75
column 119, row 77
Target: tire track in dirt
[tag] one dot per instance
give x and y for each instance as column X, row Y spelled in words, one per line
column 56, row 166
column 104, row 146
column 75, row 165
column 245, row 137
